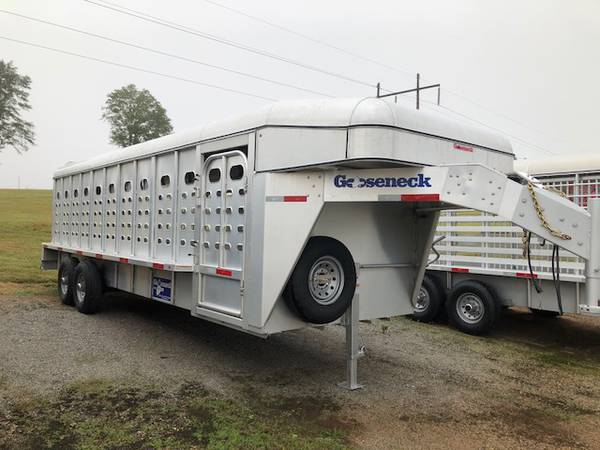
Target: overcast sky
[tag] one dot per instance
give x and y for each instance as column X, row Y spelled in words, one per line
column 533, row 65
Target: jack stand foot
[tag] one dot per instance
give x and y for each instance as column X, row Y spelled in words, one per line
column 350, row 387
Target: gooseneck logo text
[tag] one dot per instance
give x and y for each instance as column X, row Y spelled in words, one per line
column 419, row 181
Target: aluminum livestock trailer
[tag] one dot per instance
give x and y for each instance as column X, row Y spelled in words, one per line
column 264, row 223
column 481, row 255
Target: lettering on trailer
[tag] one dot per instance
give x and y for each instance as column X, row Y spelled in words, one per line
column 161, row 289
column 419, row 181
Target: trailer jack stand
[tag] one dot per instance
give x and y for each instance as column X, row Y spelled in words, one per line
column 354, row 350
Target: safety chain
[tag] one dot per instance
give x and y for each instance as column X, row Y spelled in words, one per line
column 540, row 213
column 524, row 239
column 556, row 191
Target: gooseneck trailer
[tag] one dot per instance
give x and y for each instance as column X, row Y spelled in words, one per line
column 478, row 249
column 265, row 223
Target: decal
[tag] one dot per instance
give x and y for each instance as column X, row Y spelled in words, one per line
column 161, row 289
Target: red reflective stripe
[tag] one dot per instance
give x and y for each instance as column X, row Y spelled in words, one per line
column 420, row 197
column 98, row 255
column 158, row 266
column 460, row 270
column 124, row 260
column 79, row 252
column 224, row 272
column 464, row 148
column 295, row 198
column 525, row 275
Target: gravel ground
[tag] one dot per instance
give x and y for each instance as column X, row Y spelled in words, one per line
column 532, row 384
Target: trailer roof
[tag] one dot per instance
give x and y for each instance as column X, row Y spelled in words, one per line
column 310, row 113
column 561, row 164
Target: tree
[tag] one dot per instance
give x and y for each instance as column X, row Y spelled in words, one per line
column 14, row 98
column 134, row 116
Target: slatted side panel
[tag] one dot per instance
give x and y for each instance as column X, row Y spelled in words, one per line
column 97, row 209
column 164, row 201
column 143, row 220
column 127, row 189
column 185, row 206
column 479, row 240
column 85, row 222
column 76, row 211
column 57, row 212
column 111, row 209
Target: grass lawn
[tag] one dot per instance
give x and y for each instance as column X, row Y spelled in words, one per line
column 25, row 223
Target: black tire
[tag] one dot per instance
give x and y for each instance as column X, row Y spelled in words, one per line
column 327, row 301
column 472, row 308
column 430, row 302
column 65, row 281
column 544, row 313
column 87, row 280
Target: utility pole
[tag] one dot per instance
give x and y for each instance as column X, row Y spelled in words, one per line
column 418, row 88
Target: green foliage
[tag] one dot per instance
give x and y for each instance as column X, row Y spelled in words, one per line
column 14, row 98
column 134, row 116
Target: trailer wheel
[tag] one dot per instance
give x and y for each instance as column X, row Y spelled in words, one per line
column 544, row 313
column 87, row 287
column 430, row 302
column 324, row 281
column 65, row 281
column 472, row 308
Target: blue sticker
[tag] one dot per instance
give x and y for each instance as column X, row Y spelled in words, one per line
column 161, row 289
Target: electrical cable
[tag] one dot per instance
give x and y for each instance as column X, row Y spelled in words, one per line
column 308, row 38
column 138, row 69
column 184, row 29
column 534, row 280
column 404, row 72
column 162, row 53
column 556, row 276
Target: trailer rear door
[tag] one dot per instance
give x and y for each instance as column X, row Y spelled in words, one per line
column 222, row 222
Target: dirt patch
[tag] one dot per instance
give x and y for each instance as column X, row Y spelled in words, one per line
column 103, row 414
column 13, row 303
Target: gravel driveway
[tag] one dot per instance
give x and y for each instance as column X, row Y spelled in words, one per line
column 532, row 384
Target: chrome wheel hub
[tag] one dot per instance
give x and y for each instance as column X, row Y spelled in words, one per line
column 423, row 300
column 470, row 307
column 64, row 285
column 80, row 288
column 326, row 280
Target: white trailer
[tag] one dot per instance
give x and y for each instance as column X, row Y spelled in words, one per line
column 480, row 255
column 264, row 223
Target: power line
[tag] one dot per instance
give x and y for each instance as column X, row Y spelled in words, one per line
column 138, row 69
column 439, row 109
column 529, row 144
column 182, row 28
column 307, row 37
column 363, row 58
column 159, row 52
